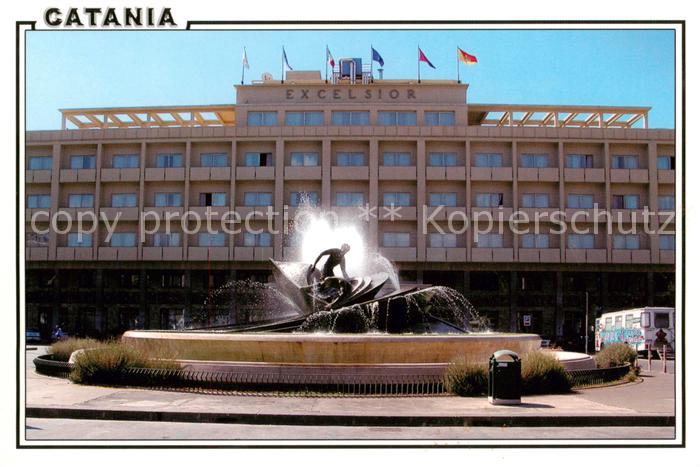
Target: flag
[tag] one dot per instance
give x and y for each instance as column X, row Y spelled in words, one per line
column 466, row 58
column 423, row 58
column 329, row 57
column 245, row 59
column 377, row 58
column 286, row 62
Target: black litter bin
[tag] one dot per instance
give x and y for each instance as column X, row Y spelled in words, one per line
column 504, row 378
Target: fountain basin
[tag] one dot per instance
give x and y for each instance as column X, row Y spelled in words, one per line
column 316, row 348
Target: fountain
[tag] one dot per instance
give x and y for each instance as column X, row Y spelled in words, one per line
column 351, row 322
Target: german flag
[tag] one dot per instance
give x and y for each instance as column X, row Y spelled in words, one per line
column 466, row 58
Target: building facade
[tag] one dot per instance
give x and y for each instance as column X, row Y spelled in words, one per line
column 443, row 165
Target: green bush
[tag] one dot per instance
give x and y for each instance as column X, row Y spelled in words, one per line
column 615, row 355
column 542, row 373
column 466, row 379
column 106, row 364
column 62, row 350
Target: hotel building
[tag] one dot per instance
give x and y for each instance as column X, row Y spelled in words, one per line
column 349, row 142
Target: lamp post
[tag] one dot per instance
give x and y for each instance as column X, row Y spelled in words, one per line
column 586, row 333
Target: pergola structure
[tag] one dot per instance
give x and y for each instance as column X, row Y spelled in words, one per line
column 555, row 116
column 149, row 117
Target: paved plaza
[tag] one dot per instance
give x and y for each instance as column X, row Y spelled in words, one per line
column 60, row 410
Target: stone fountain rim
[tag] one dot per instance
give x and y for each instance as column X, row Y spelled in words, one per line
column 320, row 337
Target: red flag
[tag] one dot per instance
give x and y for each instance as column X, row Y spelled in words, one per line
column 329, row 57
column 423, row 58
column 466, row 58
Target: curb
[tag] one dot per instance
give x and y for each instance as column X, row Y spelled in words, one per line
column 352, row 419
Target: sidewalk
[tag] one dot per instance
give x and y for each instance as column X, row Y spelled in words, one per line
column 625, row 405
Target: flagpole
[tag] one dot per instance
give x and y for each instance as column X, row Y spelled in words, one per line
column 243, row 66
column 326, row 59
column 418, row 64
column 458, row 81
column 282, row 81
column 371, row 62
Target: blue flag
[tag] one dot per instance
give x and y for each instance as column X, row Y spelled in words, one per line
column 377, row 58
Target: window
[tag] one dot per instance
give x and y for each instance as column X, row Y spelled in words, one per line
column 662, row 320
column 168, row 199
column 626, row 242
column 396, row 239
column 444, row 240
column 629, row 320
column 349, row 199
column 439, row 118
column 305, row 159
column 625, row 162
column 348, row 159
column 397, row 199
column 666, row 163
column 402, row 159
column 489, row 240
column 442, row 159
column 212, row 239
column 488, row 160
column 262, row 239
column 350, row 118
column 125, row 161
column 579, row 201
column 667, row 242
column 386, row 118
column 212, row 199
column 39, row 201
column 262, row 118
column 168, row 161
column 579, row 161
column 123, row 239
column 258, row 159
column 608, row 322
column 214, row 160
column 489, row 200
column 124, row 200
column 442, row 199
column 303, row 118
column 535, row 200
column 535, row 160
column 40, row 162
column 81, row 201
column 37, row 240
column 535, row 241
column 254, row 198
column 82, row 162
column 667, row 203
column 618, row 322
column 79, row 240
column 625, row 202
column 307, row 198
column 165, row 239
column 579, row 241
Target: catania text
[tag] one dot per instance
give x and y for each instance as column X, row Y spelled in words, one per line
column 108, row 17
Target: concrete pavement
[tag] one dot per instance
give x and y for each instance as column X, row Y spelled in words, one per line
column 58, row 409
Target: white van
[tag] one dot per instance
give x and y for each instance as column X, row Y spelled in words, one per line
column 638, row 328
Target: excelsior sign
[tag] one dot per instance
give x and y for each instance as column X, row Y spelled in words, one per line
column 350, row 94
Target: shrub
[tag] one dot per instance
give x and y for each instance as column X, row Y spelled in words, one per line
column 106, row 363
column 542, row 373
column 62, row 350
column 615, row 355
column 466, row 379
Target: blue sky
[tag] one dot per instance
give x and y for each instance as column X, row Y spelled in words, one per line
column 73, row 69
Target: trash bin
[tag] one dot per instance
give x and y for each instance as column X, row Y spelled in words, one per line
column 504, row 378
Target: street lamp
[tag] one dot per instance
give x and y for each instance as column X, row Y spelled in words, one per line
column 586, row 334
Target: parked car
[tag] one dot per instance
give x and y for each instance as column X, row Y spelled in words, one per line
column 32, row 336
